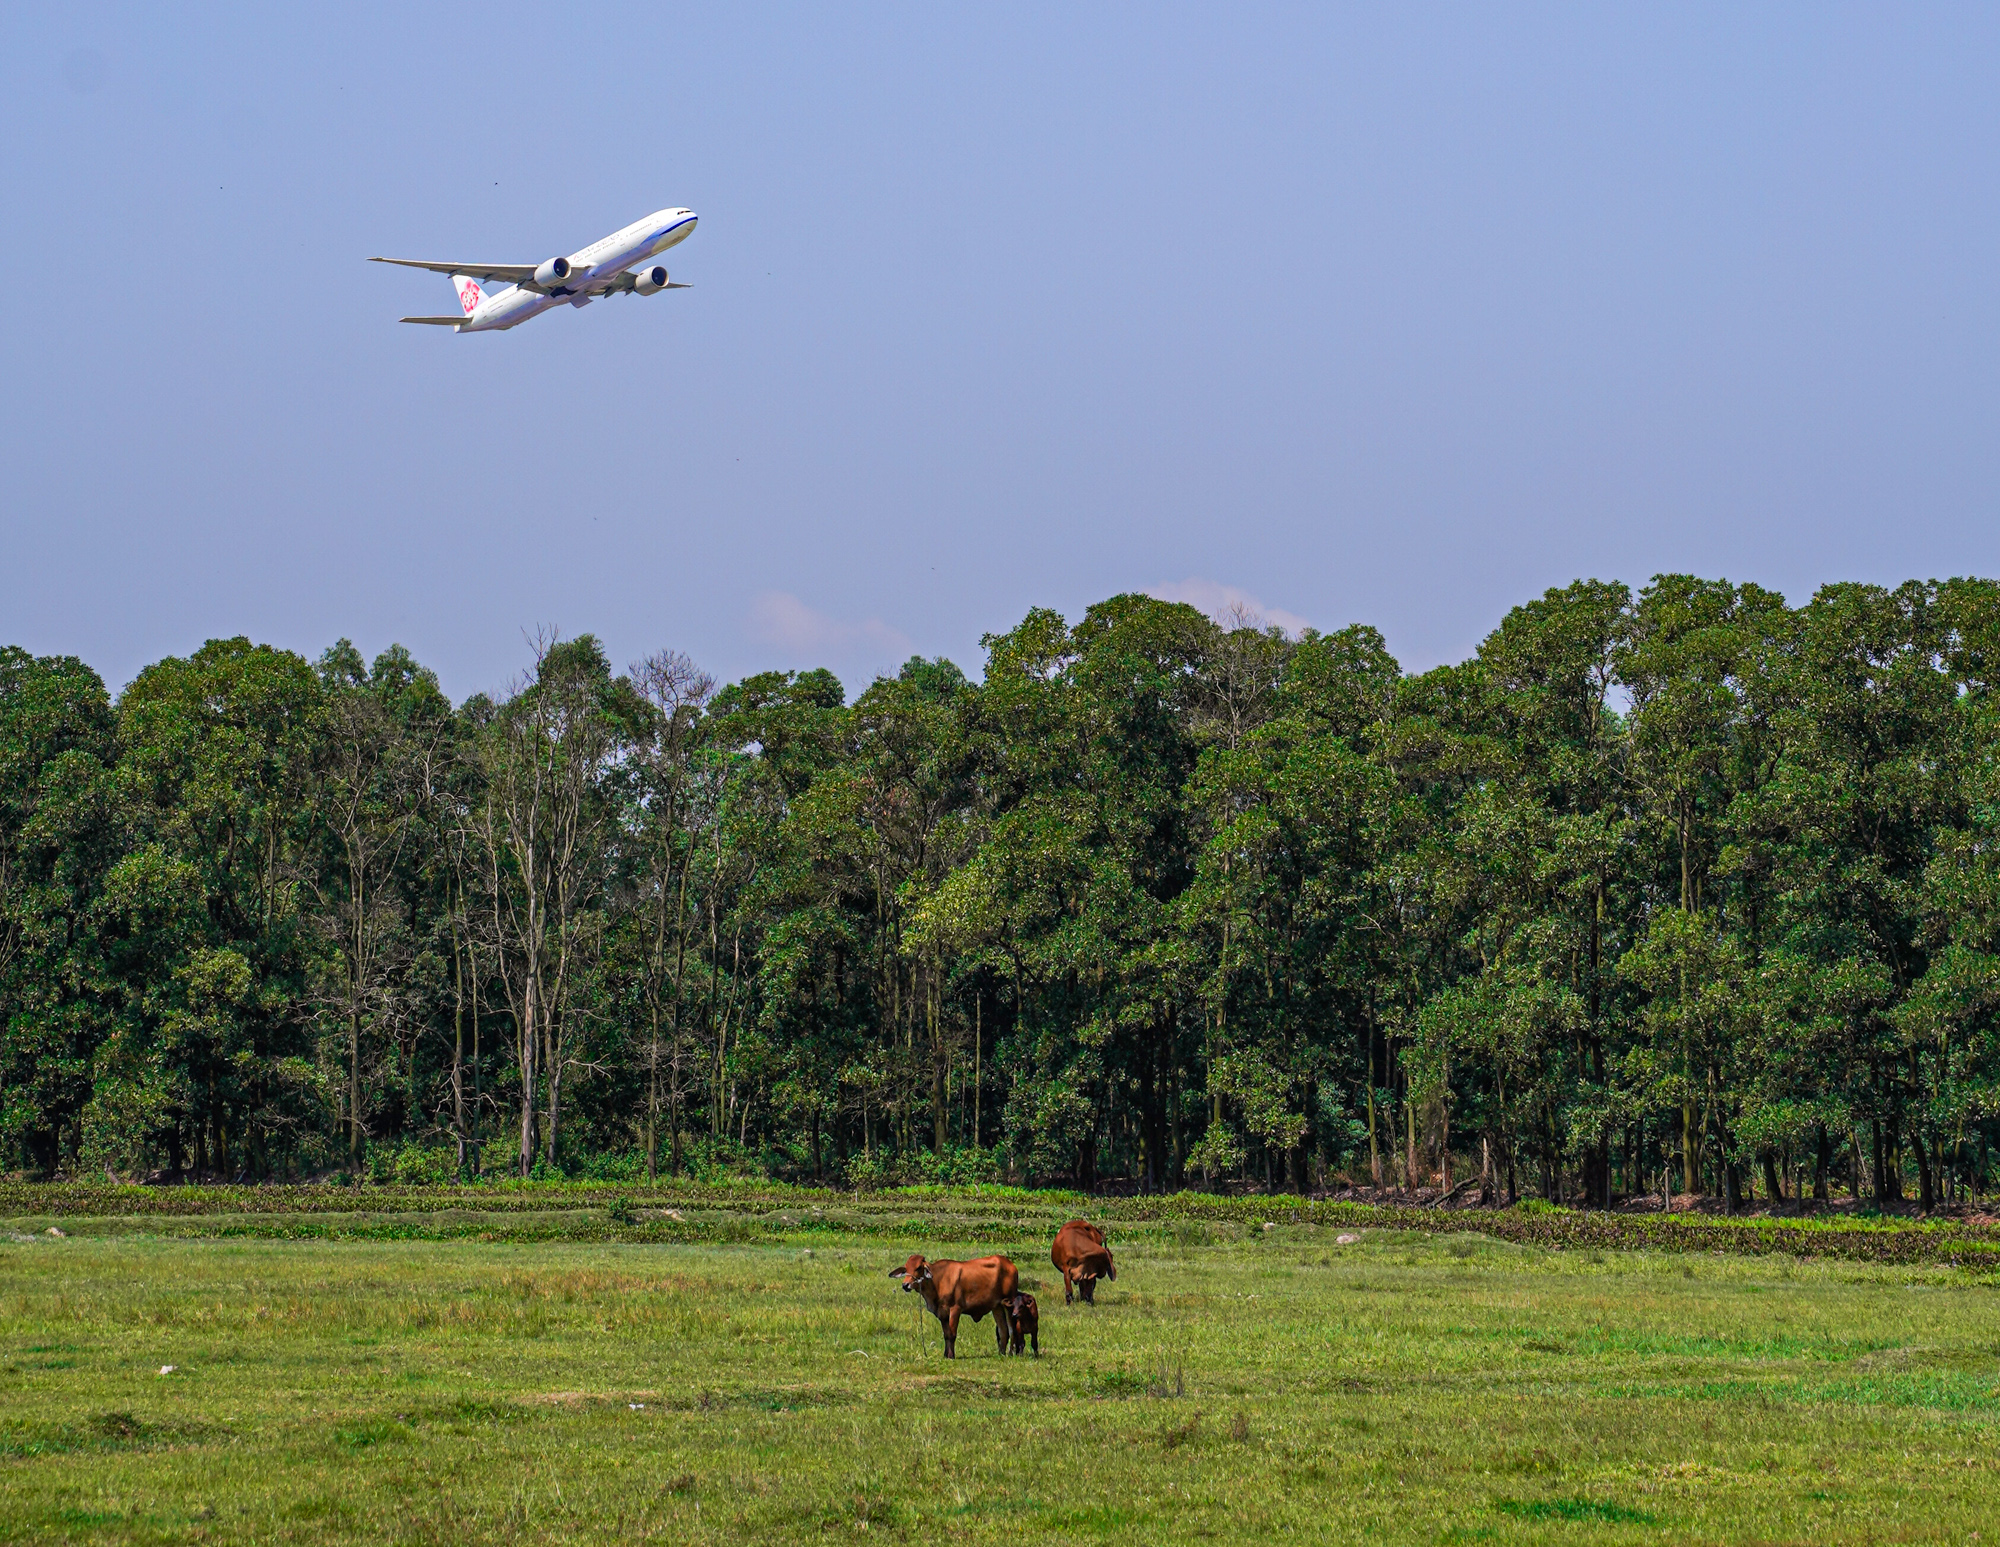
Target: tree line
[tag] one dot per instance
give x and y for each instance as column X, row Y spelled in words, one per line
column 1684, row 890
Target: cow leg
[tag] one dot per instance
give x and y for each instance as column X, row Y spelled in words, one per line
column 1087, row 1287
column 951, row 1335
column 1038, row 1342
column 1066, row 1287
column 1003, row 1329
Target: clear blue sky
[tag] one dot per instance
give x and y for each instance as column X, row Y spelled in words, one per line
column 1395, row 314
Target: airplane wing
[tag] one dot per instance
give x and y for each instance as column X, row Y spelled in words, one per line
column 628, row 280
column 441, row 322
column 512, row 273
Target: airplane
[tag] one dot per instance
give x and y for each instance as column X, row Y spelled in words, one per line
column 602, row 268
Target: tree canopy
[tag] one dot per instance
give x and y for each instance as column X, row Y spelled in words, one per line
column 1686, row 889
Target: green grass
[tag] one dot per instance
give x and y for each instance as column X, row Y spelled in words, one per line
column 759, row 1377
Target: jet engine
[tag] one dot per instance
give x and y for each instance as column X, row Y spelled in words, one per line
column 551, row 275
column 650, row 281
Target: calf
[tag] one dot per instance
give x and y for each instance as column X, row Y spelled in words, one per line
column 1021, row 1310
column 953, row 1289
column 1082, row 1258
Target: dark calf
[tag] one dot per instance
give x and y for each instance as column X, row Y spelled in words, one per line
column 1026, row 1319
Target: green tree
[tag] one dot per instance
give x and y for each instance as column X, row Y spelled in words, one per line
column 211, row 1067
column 58, row 837
column 383, row 735
column 545, row 827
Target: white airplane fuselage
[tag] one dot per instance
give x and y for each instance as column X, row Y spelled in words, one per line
column 647, row 238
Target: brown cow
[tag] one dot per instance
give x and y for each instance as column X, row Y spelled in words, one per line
column 954, row 1289
column 1082, row 1257
column 1027, row 1319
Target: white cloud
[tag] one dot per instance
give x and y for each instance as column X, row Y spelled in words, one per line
column 1228, row 604
column 780, row 618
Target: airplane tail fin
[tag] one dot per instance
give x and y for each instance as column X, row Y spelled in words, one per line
column 469, row 293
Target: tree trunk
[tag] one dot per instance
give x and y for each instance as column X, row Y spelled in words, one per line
column 473, row 1137
column 1374, row 1145
column 1444, row 1149
column 653, row 1102
column 552, row 1069
column 354, row 1084
column 674, row 1131
column 1409, row 1135
column 940, row 1100
column 1888, row 1163
column 529, row 1077
column 457, row 1051
column 1926, row 1182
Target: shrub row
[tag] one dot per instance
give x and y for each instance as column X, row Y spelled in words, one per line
column 576, row 1210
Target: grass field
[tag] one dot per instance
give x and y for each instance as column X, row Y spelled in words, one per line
column 1235, row 1383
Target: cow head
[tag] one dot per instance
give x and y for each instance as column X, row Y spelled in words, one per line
column 915, row 1274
